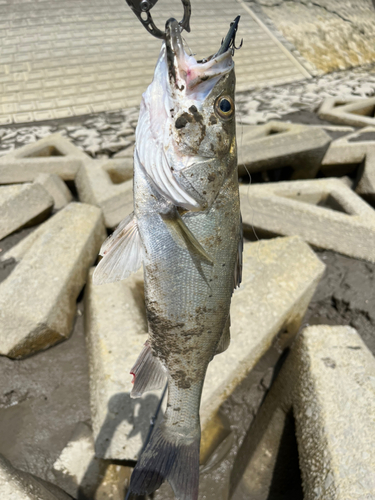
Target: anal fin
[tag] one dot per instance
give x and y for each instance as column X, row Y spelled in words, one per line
column 224, row 339
column 148, row 372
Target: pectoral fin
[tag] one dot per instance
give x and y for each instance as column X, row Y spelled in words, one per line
column 184, row 237
column 122, row 253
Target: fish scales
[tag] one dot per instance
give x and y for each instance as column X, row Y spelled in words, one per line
column 186, row 231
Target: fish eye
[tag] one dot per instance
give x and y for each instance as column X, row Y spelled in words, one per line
column 224, row 107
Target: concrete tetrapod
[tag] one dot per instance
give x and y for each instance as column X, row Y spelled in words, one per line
column 52, row 155
column 38, row 299
column 334, row 407
column 358, row 147
column 18, row 485
column 280, row 277
column 324, row 212
column 349, row 110
column 23, row 205
column 96, row 187
column 329, row 382
column 277, row 144
column 57, row 188
column 79, row 472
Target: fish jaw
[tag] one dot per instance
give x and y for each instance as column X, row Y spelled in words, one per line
column 189, row 79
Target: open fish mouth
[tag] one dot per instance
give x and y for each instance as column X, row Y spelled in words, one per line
column 186, row 74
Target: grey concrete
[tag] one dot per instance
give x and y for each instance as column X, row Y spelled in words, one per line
column 81, row 57
column 38, row 299
column 19, row 485
column 280, row 277
column 348, row 110
column 79, row 472
column 53, row 154
column 95, row 185
column 344, row 153
column 328, row 381
column 334, row 405
column 277, row 144
column 22, row 206
column 116, row 330
column 324, row 212
column 120, row 169
column 57, row 188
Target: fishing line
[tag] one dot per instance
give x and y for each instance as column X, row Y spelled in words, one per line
column 247, row 194
column 151, row 428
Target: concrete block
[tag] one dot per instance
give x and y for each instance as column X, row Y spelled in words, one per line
column 334, row 408
column 38, row 299
column 18, row 485
column 119, row 170
column 57, row 188
column 279, row 278
column 95, row 186
column 22, row 206
column 116, row 330
column 324, row 212
column 80, row 473
column 348, row 110
column 328, row 380
column 52, row 155
column 358, row 147
column 277, row 144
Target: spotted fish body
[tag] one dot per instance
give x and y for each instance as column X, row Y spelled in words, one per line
column 187, row 222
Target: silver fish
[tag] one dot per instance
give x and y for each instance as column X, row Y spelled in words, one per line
column 186, row 230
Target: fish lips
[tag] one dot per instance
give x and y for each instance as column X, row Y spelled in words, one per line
column 185, row 73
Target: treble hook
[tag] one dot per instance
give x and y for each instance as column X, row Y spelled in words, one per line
column 141, row 9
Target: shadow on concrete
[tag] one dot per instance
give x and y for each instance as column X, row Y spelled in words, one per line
column 141, row 423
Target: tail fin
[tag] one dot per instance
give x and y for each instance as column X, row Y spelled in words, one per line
column 172, row 457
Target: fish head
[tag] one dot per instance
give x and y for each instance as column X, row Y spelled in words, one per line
column 201, row 98
column 185, row 136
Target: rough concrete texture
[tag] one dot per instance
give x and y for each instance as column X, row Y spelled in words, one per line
column 348, row 111
column 81, row 474
column 19, row 485
column 279, row 144
column 38, row 299
column 324, row 212
column 334, row 407
column 330, row 34
column 116, row 330
column 358, row 147
column 53, row 154
column 120, row 169
column 96, row 187
column 279, row 279
column 23, row 205
column 56, row 188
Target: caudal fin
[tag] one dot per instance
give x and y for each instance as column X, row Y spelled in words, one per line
column 172, row 457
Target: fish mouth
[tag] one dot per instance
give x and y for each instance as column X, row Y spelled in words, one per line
column 188, row 75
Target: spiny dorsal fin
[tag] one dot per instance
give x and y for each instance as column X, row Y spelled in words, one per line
column 122, row 253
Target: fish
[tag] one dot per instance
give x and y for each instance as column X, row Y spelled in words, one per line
column 186, row 231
